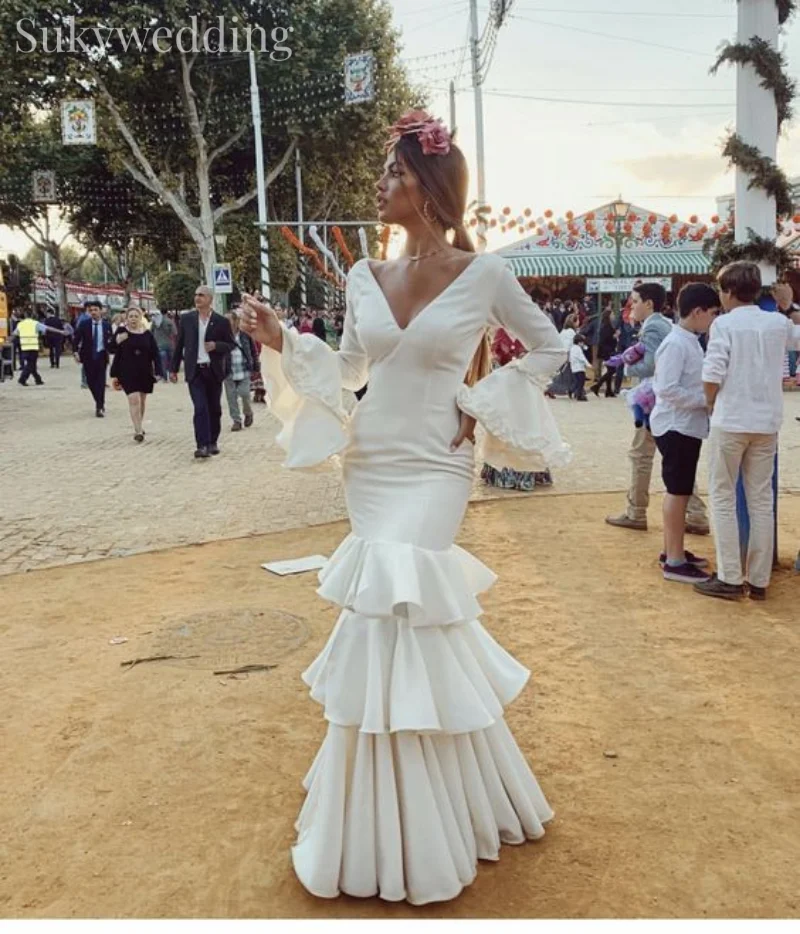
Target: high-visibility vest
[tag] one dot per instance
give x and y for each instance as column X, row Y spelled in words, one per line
column 28, row 335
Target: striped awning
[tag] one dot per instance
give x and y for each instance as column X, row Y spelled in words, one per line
column 640, row 263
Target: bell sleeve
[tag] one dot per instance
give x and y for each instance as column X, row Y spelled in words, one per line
column 520, row 430
column 305, row 381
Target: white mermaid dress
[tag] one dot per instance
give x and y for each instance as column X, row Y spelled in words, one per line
column 418, row 776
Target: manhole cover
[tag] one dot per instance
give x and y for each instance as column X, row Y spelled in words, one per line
column 230, row 639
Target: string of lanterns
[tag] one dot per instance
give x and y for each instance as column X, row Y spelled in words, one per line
column 571, row 229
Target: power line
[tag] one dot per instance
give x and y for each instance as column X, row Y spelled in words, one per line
column 626, row 13
column 610, row 35
column 596, row 103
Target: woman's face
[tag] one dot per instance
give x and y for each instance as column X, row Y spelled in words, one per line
column 134, row 319
column 399, row 196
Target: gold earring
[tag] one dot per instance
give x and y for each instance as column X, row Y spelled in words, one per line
column 428, row 218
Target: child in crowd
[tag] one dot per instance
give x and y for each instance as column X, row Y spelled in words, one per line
column 742, row 377
column 577, row 364
column 679, row 423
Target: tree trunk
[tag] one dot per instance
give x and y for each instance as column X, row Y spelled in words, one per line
column 61, row 286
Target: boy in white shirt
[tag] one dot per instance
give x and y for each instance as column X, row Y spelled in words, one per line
column 679, row 423
column 577, row 364
column 742, row 377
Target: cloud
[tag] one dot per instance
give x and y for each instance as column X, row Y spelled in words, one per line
column 678, row 173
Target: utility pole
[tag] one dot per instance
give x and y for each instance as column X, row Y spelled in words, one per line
column 452, row 106
column 301, row 234
column 261, row 182
column 478, row 93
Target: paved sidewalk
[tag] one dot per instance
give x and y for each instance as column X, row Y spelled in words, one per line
column 78, row 488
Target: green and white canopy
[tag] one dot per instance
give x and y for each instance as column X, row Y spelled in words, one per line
column 586, row 253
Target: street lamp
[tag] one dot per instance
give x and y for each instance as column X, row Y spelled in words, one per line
column 620, row 209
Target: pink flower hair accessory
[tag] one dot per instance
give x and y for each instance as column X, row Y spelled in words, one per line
column 434, row 137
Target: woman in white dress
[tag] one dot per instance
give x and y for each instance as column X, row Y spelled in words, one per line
column 418, row 776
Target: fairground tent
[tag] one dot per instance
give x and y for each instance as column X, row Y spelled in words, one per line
column 652, row 245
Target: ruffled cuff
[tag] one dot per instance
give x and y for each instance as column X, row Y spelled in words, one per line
column 305, row 387
column 521, row 432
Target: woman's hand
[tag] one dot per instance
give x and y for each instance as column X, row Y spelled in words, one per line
column 466, row 431
column 116, row 384
column 121, row 336
column 258, row 319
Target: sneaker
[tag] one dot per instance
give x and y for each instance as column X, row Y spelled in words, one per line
column 685, row 574
column 202, row 453
column 236, row 426
column 689, row 558
column 756, row 593
column 213, row 449
column 248, row 420
column 625, row 522
column 714, row 587
column 99, row 413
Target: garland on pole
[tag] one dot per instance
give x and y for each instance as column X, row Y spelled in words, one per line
column 770, row 65
column 338, row 236
column 763, row 172
column 757, row 250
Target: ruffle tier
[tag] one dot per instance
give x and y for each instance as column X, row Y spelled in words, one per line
column 386, row 676
column 407, row 816
column 389, row 579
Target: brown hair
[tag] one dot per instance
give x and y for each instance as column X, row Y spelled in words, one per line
column 742, row 280
column 445, row 181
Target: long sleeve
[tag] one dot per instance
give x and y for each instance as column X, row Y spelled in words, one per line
column 305, row 382
column 509, row 403
column 651, row 339
column 718, row 354
column 158, row 367
column 668, row 382
column 177, row 354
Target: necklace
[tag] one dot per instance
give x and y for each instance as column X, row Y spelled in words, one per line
column 419, row 256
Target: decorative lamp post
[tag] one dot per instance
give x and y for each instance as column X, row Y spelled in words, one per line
column 620, row 209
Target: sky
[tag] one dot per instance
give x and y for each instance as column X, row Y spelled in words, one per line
column 662, row 154
column 630, row 106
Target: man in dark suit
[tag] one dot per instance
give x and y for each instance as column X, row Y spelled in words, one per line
column 204, row 343
column 94, row 342
column 55, row 341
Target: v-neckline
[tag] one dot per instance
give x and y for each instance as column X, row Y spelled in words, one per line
column 425, row 307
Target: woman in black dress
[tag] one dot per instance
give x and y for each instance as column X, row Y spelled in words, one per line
column 136, row 366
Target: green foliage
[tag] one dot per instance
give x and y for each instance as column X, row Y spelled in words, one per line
column 18, row 278
column 786, row 9
column 763, row 172
column 757, row 250
column 174, row 291
column 771, row 67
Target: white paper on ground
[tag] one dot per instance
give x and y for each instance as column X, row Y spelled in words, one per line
column 296, row 565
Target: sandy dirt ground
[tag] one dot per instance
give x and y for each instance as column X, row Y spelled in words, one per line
column 169, row 791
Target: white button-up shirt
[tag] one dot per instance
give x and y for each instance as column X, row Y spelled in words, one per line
column 678, row 386
column 202, row 353
column 745, row 357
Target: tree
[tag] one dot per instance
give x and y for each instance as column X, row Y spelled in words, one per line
column 174, row 291
column 37, row 146
column 18, row 278
column 180, row 124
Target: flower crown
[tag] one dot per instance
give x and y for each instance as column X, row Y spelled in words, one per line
column 434, row 137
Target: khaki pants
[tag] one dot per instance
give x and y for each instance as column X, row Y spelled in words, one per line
column 755, row 455
column 641, row 453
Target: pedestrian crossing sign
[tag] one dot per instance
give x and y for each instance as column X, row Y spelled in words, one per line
column 223, row 281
